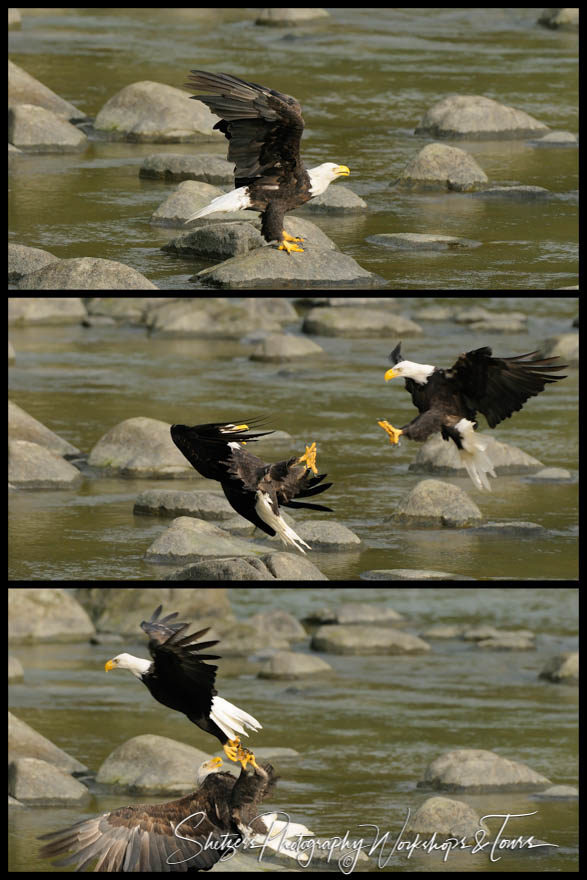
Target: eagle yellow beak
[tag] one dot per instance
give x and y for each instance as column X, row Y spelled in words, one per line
column 391, row 374
column 109, row 666
column 342, row 169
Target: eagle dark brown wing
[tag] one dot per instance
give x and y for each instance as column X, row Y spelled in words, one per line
column 178, row 677
column 498, row 387
column 206, row 447
column 263, row 127
column 142, row 838
column 152, row 837
column 282, row 481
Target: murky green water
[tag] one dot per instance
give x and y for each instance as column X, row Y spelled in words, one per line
column 365, row 734
column 81, row 382
column 365, row 79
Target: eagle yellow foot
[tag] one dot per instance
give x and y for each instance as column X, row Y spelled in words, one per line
column 393, row 433
column 309, row 457
column 245, row 756
column 286, row 246
column 285, row 236
column 232, row 748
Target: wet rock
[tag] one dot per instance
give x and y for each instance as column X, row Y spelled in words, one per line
column 562, row 668
column 22, row 260
column 439, row 456
column 276, row 348
column 412, row 574
column 25, row 89
column 138, row 447
column 36, row 783
column 433, row 503
column 562, row 18
column 152, row 112
column 31, row 466
column 207, row 167
column 22, row 426
column 288, row 666
column 26, row 742
column 321, row 265
column 188, row 540
column 363, row 640
column 444, row 818
column 478, row 770
column 477, row 117
column 85, row 273
column 272, row 566
column 35, row 130
column 413, row 241
column 440, row 167
column 358, row 322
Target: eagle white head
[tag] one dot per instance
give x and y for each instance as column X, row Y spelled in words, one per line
column 420, row 373
column 208, row 767
column 322, row 176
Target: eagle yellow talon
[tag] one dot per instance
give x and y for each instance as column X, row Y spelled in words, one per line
column 286, row 246
column 287, row 237
column 393, row 433
column 309, row 457
column 245, row 756
column 232, row 748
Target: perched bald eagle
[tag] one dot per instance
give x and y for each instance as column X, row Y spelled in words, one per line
column 178, row 678
column 254, row 489
column 448, row 400
column 186, row 835
column 263, row 129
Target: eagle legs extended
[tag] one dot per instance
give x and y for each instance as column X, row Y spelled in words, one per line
column 309, row 457
column 245, row 756
column 231, row 748
column 393, row 433
column 236, row 752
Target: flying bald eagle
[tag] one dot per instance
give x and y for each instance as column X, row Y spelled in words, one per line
column 178, row 678
column 254, row 489
column 448, row 400
column 186, row 835
column 263, row 129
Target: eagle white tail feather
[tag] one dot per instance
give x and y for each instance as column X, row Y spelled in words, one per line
column 235, row 200
column 277, row 826
column 230, row 719
column 265, row 510
column 473, row 456
column 280, row 836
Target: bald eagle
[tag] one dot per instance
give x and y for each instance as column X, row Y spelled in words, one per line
column 254, row 489
column 448, row 400
column 186, row 835
column 263, row 128
column 178, row 678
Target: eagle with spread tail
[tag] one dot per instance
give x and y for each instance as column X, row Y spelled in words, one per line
column 448, row 400
column 263, row 128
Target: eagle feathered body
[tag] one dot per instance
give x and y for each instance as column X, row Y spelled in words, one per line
column 255, row 489
column 448, row 400
column 264, row 129
column 185, row 835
